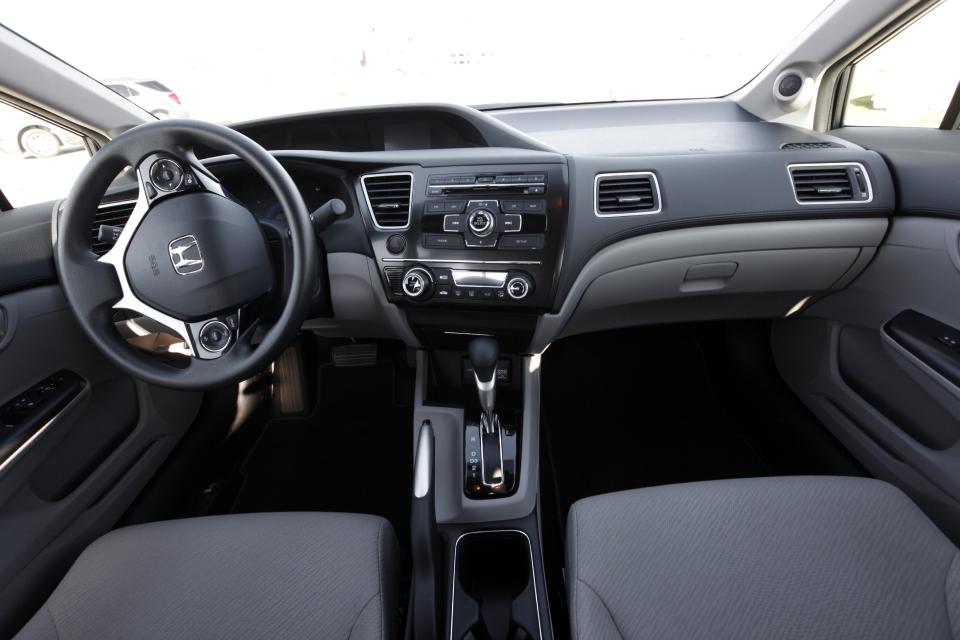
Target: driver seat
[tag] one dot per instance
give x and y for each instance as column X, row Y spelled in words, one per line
column 236, row 577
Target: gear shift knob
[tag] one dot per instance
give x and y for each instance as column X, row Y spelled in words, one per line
column 484, row 353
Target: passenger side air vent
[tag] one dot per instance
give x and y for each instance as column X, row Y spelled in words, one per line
column 114, row 214
column 627, row 194
column 809, row 146
column 826, row 183
column 388, row 197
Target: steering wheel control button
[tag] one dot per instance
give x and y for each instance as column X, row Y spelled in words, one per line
column 481, row 222
column 166, row 175
column 396, row 244
column 417, row 283
column 215, row 336
column 518, row 287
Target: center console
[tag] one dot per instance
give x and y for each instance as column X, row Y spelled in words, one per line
column 468, row 237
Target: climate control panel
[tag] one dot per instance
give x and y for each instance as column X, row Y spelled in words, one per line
column 421, row 283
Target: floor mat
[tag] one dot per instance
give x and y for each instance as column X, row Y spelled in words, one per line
column 629, row 409
column 352, row 454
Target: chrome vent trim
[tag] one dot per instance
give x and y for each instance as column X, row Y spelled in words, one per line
column 382, row 201
column 111, row 213
column 656, row 203
column 830, row 175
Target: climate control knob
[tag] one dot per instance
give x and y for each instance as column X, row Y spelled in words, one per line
column 417, row 283
column 519, row 287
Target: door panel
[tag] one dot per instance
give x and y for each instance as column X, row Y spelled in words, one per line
column 862, row 358
column 82, row 470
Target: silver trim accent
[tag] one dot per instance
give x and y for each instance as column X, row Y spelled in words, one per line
column 491, row 427
column 486, row 217
column 467, row 333
column 449, row 261
column 448, row 217
column 225, row 328
column 128, row 300
column 625, row 174
column 25, row 446
column 533, row 573
column 487, row 393
column 488, row 184
column 118, row 203
column 827, row 165
column 425, row 281
column 423, row 464
column 526, row 287
column 154, row 182
column 479, row 279
column 366, row 197
column 176, row 255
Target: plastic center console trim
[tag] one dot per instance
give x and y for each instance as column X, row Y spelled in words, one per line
column 533, row 574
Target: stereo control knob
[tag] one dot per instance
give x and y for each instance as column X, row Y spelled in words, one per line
column 481, row 223
column 417, row 283
column 519, row 287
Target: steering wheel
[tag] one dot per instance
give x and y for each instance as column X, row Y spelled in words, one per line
column 189, row 257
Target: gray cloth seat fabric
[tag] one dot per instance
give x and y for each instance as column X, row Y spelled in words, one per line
column 792, row 557
column 238, row 577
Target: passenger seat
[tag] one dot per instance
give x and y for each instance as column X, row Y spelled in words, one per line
column 790, row 557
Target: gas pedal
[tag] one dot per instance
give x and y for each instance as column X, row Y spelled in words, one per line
column 354, row 355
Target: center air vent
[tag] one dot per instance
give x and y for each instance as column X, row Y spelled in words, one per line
column 826, row 183
column 114, row 214
column 388, row 197
column 627, row 194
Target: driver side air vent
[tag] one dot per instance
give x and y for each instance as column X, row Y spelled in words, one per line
column 114, row 214
column 830, row 183
column 626, row 194
column 388, row 198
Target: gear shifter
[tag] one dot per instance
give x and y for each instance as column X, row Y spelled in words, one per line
column 484, row 353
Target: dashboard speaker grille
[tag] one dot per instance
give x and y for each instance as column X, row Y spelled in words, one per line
column 622, row 194
column 808, row 146
column 114, row 214
column 388, row 197
column 828, row 183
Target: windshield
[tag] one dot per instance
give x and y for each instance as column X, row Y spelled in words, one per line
column 225, row 62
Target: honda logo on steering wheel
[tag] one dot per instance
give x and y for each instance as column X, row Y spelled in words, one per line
column 185, row 255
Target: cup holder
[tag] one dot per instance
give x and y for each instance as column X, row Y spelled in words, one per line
column 494, row 592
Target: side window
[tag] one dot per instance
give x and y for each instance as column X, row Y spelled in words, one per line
column 908, row 81
column 119, row 89
column 38, row 161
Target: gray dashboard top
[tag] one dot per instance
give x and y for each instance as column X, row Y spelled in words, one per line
column 655, row 128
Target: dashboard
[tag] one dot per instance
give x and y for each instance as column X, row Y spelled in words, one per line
column 533, row 224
